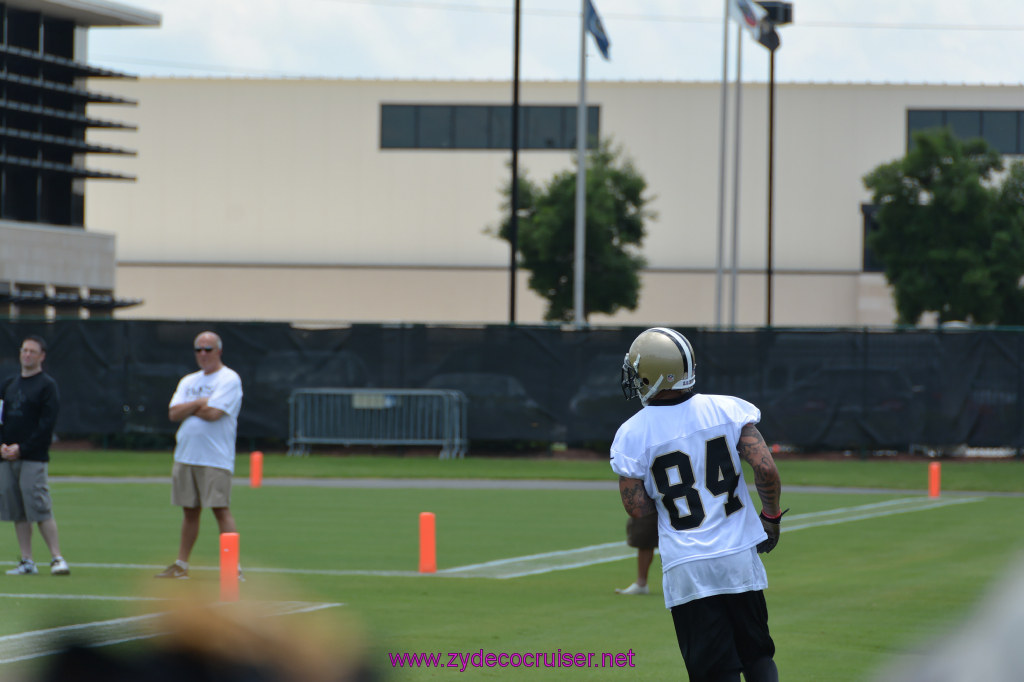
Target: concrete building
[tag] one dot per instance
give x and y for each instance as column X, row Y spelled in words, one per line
column 50, row 264
column 345, row 201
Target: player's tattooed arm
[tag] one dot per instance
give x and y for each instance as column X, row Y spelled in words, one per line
column 634, row 498
column 754, row 451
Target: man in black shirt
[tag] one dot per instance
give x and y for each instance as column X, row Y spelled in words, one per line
column 29, row 403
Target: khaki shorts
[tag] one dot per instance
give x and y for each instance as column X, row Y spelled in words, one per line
column 24, row 491
column 642, row 533
column 198, row 486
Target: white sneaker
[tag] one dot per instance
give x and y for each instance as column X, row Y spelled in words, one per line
column 59, row 567
column 175, row 571
column 25, row 567
column 634, row 589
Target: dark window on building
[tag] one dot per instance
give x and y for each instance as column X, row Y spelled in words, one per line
column 433, row 126
column 23, row 29
column 545, row 128
column 593, row 117
column 17, row 120
column 397, row 127
column 55, row 200
column 500, row 136
column 870, row 263
column 59, row 38
column 77, row 203
column 21, row 194
column 999, row 127
column 923, row 120
column 920, row 121
column 966, row 125
column 472, row 127
column 501, row 128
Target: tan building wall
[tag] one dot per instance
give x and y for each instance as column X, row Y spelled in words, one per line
column 326, row 294
column 271, row 199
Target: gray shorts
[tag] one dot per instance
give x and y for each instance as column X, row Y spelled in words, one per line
column 24, row 491
column 642, row 533
column 199, row 486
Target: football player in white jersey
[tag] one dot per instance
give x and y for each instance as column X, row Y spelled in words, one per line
column 681, row 456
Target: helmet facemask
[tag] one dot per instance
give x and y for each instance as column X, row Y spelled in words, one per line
column 659, row 359
column 630, row 380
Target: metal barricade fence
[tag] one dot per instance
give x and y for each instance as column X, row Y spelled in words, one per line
column 377, row 416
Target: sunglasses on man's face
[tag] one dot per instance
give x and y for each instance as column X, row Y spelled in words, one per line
column 204, row 349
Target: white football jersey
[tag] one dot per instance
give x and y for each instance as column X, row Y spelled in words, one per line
column 685, row 453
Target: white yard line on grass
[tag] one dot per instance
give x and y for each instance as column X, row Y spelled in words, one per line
column 38, row 643
column 863, row 512
column 77, row 597
column 533, row 564
column 596, row 554
column 251, row 569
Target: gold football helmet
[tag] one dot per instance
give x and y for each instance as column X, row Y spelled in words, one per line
column 658, row 360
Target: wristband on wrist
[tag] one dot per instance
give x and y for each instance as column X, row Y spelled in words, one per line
column 774, row 519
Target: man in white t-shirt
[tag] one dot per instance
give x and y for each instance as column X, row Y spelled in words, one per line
column 681, row 456
column 207, row 404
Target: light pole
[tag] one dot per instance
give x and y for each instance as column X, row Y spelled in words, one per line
column 779, row 13
column 513, row 225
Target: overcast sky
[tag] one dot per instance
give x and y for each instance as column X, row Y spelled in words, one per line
column 915, row 41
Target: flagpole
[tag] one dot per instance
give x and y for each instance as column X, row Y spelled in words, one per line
column 736, row 175
column 514, row 194
column 581, row 176
column 721, row 164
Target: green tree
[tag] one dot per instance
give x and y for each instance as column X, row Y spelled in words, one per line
column 615, row 215
column 951, row 231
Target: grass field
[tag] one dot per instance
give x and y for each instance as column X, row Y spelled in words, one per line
column 876, row 472
column 858, row 577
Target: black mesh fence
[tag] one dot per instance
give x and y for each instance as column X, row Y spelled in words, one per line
column 817, row 389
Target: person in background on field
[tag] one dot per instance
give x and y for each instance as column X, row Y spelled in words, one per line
column 207, row 403
column 680, row 456
column 641, row 533
column 29, row 403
